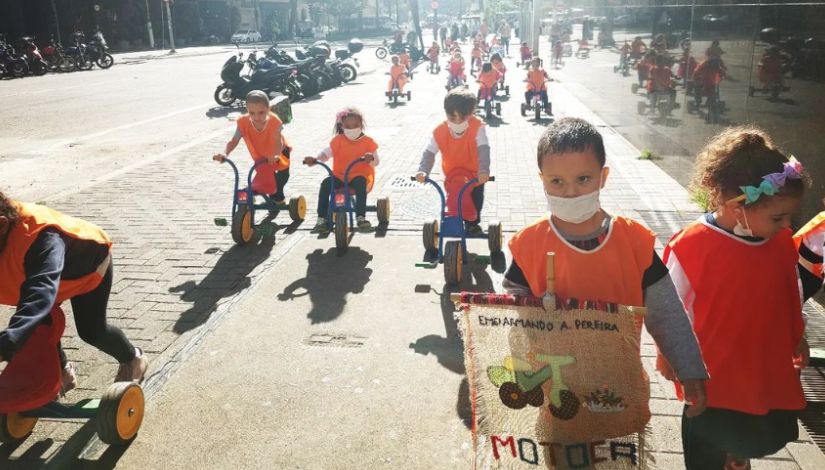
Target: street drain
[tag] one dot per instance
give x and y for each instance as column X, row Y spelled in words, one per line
column 339, row 340
column 404, row 182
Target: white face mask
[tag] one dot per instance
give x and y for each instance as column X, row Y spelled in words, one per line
column 739, row 229
column 458, row 128
column 352, row 134
column 574, row 210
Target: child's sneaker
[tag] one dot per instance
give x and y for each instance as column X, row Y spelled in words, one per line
column 473, row 228
column 320, row 226
column 133, row 371
column 362, row 222
column 732, row 463
column 68, row 378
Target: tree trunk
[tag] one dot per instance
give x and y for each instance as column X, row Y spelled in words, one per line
column 416, row 22
column 293, row 18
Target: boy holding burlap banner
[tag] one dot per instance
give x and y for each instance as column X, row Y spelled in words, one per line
column 555, row 371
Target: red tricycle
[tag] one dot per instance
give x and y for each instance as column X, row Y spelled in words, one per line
column 30, row 384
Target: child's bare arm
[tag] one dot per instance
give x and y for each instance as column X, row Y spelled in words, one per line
column 230, row 146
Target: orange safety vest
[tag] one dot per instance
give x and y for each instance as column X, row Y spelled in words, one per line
column 344, row 151
column 747, row 314
column 461, row 152
column 265, row 143
column 33, row 220
column 817, row 224
column 489, row 79
column 611, row 273
column 396, row 71
column 536, row 79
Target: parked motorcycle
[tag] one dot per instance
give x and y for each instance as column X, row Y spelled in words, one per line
column 37, row 66
column 78, row 52
column 12, row 64
column 97, row 51
column 56, row 59
column 269, row 79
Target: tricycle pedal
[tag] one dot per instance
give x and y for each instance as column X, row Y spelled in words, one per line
column 426, row 265
column 221, row 222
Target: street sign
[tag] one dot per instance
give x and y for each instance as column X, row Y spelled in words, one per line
column 435, row 5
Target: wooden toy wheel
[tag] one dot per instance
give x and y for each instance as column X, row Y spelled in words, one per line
column 453, row 262
column 512, row 396
column 15, row 428
column 383, row 209
column 341, row 231
column 243, row 231
column 297, row 208
column 495, row 237
column 430, row 235
column 120, row 413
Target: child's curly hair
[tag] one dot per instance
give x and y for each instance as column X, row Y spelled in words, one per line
column 741, row 156
column 8, row 209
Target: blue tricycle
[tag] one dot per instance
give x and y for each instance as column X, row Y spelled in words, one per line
column 244, row 230
column 453, row 254
column 341, row 211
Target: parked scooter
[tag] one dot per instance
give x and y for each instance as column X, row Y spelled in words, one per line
column 37, row 66
column 12, row 64
column 274, row 79
column 97, row 51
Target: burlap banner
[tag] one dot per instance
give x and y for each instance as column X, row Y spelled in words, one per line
column 558, row 388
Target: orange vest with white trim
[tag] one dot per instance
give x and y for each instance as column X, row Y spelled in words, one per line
column 745, row 302
column 611, row 273
column 814, row 226
column 33, row 220
column 536, row 79
column 345, row 151
column 461, row 152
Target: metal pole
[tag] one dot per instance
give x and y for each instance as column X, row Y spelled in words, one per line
column 535, row 27
column 162, row 31
column 397, row 23
column 149, row 26
column 171, row 33
column 56, row 22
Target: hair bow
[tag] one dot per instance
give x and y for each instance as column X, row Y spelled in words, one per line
column 791, row 169
column 341, row 115
column 752, row 193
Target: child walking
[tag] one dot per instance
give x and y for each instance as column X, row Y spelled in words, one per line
column 348, row 144
column 260, row 130
column 736, row 270
column 465, row 151
column 600, row 256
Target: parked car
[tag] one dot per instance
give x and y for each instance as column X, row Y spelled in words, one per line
column 715, row 21
column 246, row 35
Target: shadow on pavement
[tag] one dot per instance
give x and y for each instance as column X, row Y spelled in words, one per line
column 449, row 349
column 229, row 276
column 329, row 279
column 223, row 111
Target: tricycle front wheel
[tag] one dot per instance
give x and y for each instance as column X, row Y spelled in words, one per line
column 297, row 208
column 15, row 428
column 243, row 230
column 120, row 413
column 453, row 262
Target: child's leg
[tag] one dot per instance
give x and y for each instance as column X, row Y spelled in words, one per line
column 544, row 98
column 359, row 184
column 389, row 86
column 528, row 95
column 700, row 453
column 478, row 201
column 90, row 319
column 281, row 179
column 323, row 195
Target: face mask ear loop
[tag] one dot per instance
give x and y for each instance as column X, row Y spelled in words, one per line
column 745, row 215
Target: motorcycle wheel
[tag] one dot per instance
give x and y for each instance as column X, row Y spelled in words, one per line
column 19, row 68
column 84, row 64
column 223, row 96
column 66, row 64
column 348, row 73
column 39, row 68
column 325, row 82
column 381, row 52
column 293, row 92
column 105, row 61
column 309, row 87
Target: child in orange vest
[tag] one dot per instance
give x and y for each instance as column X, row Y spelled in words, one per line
column 661, row 77
column 348, row 144
column 47, row 258
column 406, row 61
column 260, row 130
column 810, row 241
column 599, row 256
column 537, row 83
column 737, row 272
column 487, row 79
column 456, row 71
column 498, row 65
column 525, row 53
column 465, row 150
column 644, row 66
column 398, row 76
column 432, row 53
column 475, row 58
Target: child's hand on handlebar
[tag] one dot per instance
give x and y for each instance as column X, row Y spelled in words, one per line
column 219, row 157
column 483, row 179
column 368, row 157
column 421, row 177
column 310, row 161
column 273, row 159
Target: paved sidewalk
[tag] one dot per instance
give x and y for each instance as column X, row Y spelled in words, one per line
column 194, row 301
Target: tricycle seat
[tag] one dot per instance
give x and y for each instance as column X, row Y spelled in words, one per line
column 32, row 378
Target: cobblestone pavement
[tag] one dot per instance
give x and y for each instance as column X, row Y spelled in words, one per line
column 177, row 274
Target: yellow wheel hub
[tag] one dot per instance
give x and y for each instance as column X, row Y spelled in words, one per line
column 19, row 426
column 246, row 226
column 130, row 412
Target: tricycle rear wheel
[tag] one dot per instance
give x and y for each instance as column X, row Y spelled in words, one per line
column 430, row 235
column 297, row 208
column 243, row 230
column 15, row 428
column 495, row 237
column 120, row 413
column 383, row 210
